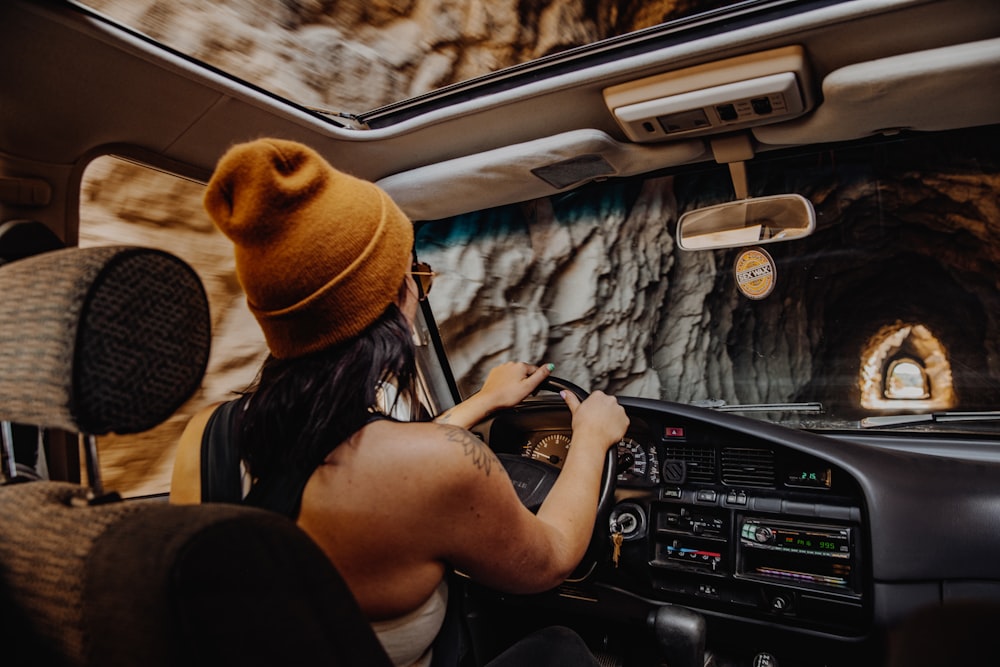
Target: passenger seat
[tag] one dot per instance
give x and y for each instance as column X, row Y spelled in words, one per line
column 103, row 340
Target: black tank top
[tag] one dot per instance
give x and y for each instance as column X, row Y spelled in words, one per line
column 222, row 475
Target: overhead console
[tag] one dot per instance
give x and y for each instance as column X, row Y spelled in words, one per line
column 728, row 95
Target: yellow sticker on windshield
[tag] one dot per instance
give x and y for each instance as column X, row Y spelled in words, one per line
column 755, row 273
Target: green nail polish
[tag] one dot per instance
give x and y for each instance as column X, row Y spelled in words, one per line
column 552, row 367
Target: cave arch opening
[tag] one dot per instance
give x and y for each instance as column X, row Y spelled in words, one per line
column 913, row 308
column 904, row 366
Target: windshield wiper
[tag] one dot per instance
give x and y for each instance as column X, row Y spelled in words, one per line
column 721, row 406
column 927, row 417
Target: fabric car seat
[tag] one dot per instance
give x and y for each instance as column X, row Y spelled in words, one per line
column 23, row 444
column 103, row 340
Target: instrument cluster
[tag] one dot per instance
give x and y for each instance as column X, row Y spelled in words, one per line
column 638, row 459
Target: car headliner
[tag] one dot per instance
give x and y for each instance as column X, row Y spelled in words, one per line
column 872, row 62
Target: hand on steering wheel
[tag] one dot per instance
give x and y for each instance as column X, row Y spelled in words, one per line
column 533, row 480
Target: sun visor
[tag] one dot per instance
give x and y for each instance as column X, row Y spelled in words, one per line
column 526, row 171
column 877, row 96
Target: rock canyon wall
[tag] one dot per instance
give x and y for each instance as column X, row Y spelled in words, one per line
column 597, row 287
column 339, row 55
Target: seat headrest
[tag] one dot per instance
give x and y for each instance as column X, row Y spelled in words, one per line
column 100, row 340
column 24, row 238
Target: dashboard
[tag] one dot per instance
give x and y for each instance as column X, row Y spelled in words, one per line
column 724, row 521
column 775, row 528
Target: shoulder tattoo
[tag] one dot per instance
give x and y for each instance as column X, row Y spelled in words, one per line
column 482, row 456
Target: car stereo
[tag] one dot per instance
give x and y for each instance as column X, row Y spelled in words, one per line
column 810, row 555
column 808, row 571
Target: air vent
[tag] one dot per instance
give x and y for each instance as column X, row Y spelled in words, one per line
column 747, row 467
column 699, row 461
column 575, row 170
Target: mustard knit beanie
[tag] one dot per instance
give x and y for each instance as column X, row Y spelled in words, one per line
column 319, row 253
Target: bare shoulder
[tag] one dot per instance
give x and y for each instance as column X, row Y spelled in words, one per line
column 185, row 483
column 450, row 449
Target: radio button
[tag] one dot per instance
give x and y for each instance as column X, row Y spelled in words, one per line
column 736, row 498
column 708, row 590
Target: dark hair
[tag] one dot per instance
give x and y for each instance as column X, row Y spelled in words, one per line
column 299, row 410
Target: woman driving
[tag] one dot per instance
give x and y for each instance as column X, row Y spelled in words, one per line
column 325, row 261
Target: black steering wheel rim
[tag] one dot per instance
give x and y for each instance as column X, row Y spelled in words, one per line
column 533, row 479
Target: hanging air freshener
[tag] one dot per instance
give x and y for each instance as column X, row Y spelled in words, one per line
column 755, row 273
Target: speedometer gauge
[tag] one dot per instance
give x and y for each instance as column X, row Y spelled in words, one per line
column 550, row 449
column 632, row 461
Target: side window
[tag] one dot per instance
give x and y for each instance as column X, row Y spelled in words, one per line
column 123, row 203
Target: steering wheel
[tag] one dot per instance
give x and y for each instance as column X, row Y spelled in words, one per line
column 533, row 480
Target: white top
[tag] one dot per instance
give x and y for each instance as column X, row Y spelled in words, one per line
column 408, row 639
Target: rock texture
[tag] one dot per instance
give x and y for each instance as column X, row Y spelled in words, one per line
column 622, row 308
column 339, row 55
column 356, row 55
column 903, row 244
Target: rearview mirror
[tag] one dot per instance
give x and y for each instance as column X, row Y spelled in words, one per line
column 747, row 222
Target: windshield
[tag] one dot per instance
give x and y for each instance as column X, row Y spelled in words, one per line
column 890, row 306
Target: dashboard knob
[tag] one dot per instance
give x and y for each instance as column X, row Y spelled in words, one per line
column 763, row 534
